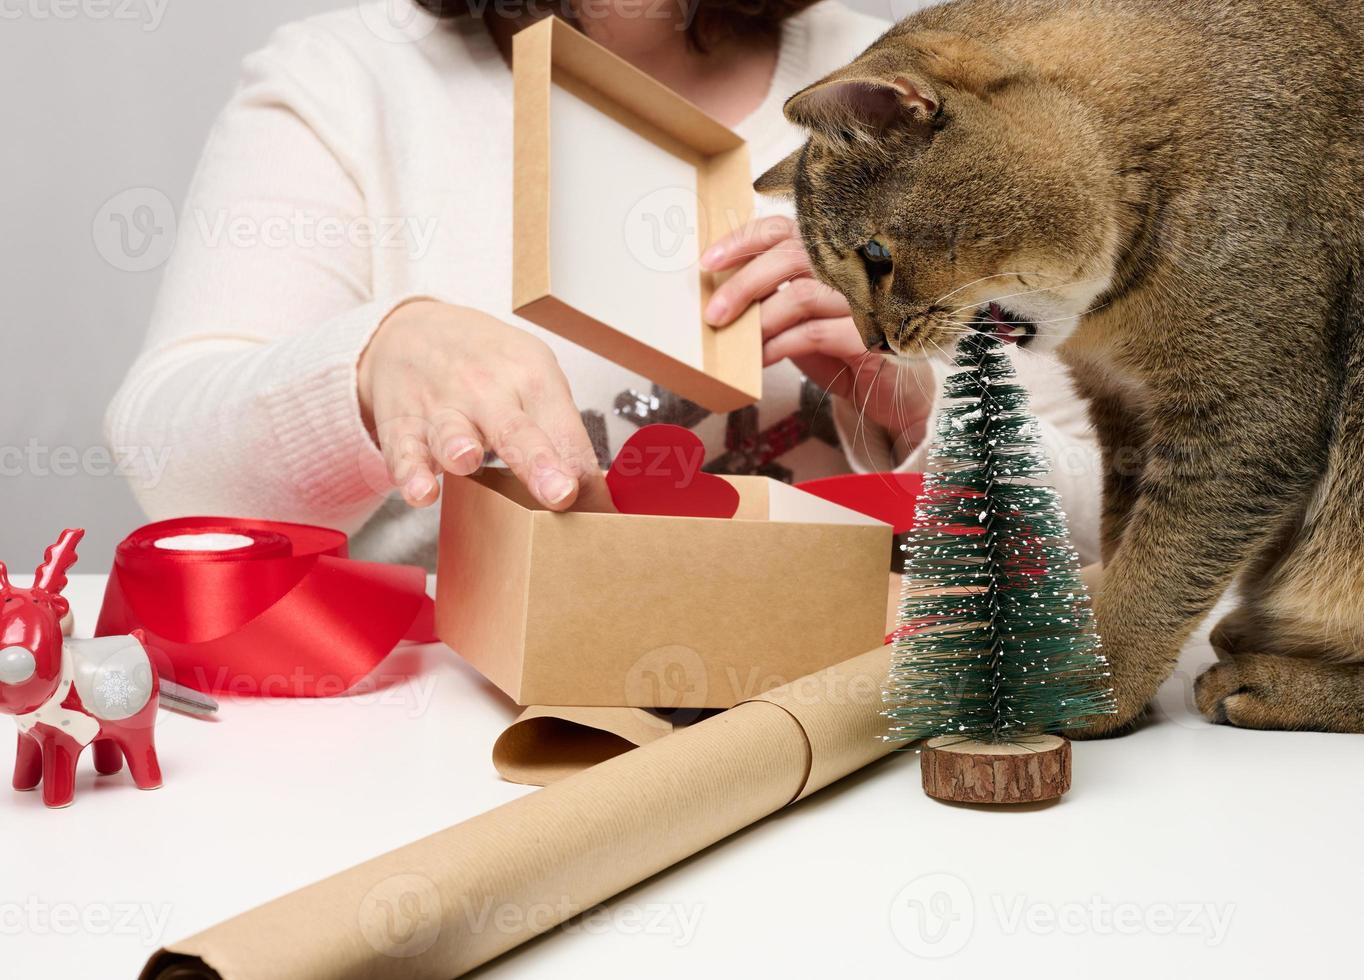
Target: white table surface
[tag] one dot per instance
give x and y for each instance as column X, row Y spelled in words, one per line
column 1183, row 850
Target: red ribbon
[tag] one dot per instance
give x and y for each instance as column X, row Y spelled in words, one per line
column 891, row 498
column 289, row 615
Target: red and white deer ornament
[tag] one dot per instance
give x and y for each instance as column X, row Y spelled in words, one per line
column 67, row 694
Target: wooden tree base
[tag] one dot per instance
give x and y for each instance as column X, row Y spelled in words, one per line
column 966, row 771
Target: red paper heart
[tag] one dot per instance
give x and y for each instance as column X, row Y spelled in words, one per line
column 658, row 472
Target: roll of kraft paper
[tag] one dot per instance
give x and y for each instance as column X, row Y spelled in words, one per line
column 234, row 606
column 547, row 743
column 557, row 852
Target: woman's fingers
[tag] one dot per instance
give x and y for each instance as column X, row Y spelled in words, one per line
column 404, row 439
column 801, row 300
column 757, row 280
column 752, row 239
column 455, row 443
column 442, row 385
column 831, row 336
column 551, row 405
column 898, row 395
column 832, row 374
column 528, row 451
column 593, row 495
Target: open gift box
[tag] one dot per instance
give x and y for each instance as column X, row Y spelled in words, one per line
column 655, row 612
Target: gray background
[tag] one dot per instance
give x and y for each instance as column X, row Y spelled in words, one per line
column 100, row 97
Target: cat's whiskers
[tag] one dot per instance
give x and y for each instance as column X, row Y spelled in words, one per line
column 998, row 275
column 1028, row 292
column 861, row 428
column 832, row 383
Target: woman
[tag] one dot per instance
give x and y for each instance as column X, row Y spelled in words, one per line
column 336, row 319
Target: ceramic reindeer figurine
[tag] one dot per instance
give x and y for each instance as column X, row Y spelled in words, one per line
column 67, row 694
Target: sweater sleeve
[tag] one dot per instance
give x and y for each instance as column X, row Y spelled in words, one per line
column 245, row 392
column 1067, row 438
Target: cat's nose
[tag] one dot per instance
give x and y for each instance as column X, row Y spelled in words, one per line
column 879, row 342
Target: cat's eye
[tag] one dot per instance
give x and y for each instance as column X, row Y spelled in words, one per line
column 16, row 665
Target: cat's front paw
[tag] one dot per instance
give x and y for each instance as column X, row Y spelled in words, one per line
column 1250, row 690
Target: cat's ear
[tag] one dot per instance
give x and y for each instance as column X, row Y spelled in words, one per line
column 840, row 104
column 901, row 80
column 780, row 181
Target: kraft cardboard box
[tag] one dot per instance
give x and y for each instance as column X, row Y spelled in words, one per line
column 655, row 612
column 619, row 186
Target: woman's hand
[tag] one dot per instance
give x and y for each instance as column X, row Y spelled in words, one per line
column 441, row 385
column 806, row 321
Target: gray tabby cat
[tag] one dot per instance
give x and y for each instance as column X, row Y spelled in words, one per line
column 1169, row 194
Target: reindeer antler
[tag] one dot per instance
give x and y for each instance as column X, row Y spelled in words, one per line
column 51, row 574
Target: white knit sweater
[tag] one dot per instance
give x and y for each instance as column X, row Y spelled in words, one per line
column 351, row 172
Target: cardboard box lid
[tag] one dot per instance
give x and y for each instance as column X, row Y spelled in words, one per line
column 620, row 184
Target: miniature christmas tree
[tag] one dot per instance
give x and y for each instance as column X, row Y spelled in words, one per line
column 996, row 645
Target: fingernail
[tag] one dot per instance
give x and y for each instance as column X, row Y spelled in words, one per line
column 717, row 310
column 553, row 487
column 458, row 449
column 712, row 255
column 419, row 487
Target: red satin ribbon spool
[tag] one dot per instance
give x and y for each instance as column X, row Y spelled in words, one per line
column 287, row 615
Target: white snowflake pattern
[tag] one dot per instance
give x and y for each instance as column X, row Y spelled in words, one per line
column 114, row 690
